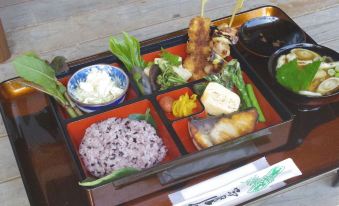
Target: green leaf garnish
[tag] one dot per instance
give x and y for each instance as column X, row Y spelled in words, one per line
column 128, row 51
column 172, row 59
column 37, row 73
column 117, row 174
column 291, row 76
column 147, row 117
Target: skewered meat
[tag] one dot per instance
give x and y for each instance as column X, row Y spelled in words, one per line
column 199, row 29
column 220, row 46
column 198, row 47
column 196, row 65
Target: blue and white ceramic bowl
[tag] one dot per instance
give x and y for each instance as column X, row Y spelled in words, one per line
column 115, row 73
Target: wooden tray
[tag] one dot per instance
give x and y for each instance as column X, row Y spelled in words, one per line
column 48, row 171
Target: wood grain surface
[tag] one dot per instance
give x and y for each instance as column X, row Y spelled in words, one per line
column 78, row 28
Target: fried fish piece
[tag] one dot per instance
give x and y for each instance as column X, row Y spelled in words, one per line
column 216, row 130
column 237, row 125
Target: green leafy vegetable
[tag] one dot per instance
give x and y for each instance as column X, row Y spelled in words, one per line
column 232, row 70
column 127, row 51
column 147, row 117
column 172, row 59
column 38, row 74
column 255, row 102
column 117, row 174
column 294, row 78
column 199, row 88
column 222, row 78
column 169, row 77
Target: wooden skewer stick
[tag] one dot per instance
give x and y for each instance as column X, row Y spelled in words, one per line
column 4, row 50
column 237, row 7
column 203, row 3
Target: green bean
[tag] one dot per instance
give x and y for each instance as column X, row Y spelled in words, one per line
column 255, row 103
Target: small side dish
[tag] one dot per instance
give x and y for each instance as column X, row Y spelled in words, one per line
column 98, row 86
column 219, row 100
column 308, row 73
column 166, row 72
column 163, row 73
column 183, row 106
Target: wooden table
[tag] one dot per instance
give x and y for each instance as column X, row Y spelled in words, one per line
column 323, row 30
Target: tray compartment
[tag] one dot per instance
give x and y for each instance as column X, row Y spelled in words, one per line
column 175, row 94
column 272, row 118
column 76, row 129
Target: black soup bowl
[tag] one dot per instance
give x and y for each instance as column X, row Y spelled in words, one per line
column 295, row 98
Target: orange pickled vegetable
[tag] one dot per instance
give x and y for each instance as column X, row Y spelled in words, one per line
column 184, row 106
column 166, row 103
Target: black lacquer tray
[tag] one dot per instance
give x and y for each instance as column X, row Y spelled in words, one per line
column 51, row 168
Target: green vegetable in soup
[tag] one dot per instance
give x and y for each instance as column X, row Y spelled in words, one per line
column 295, row 78
column 117, row 174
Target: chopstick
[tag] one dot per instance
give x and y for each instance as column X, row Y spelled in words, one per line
column 237, row 7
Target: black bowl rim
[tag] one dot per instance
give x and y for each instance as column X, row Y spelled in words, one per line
column 274, row 57
column 261, row 17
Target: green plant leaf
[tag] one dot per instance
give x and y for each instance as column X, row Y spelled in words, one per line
column 117, row 174
column 52, row 92
column 147, row 117
column 128, row 51
column 294, row 78
column 172, row 59
column 32, row 54
column 35, row 70
column 38, row 74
